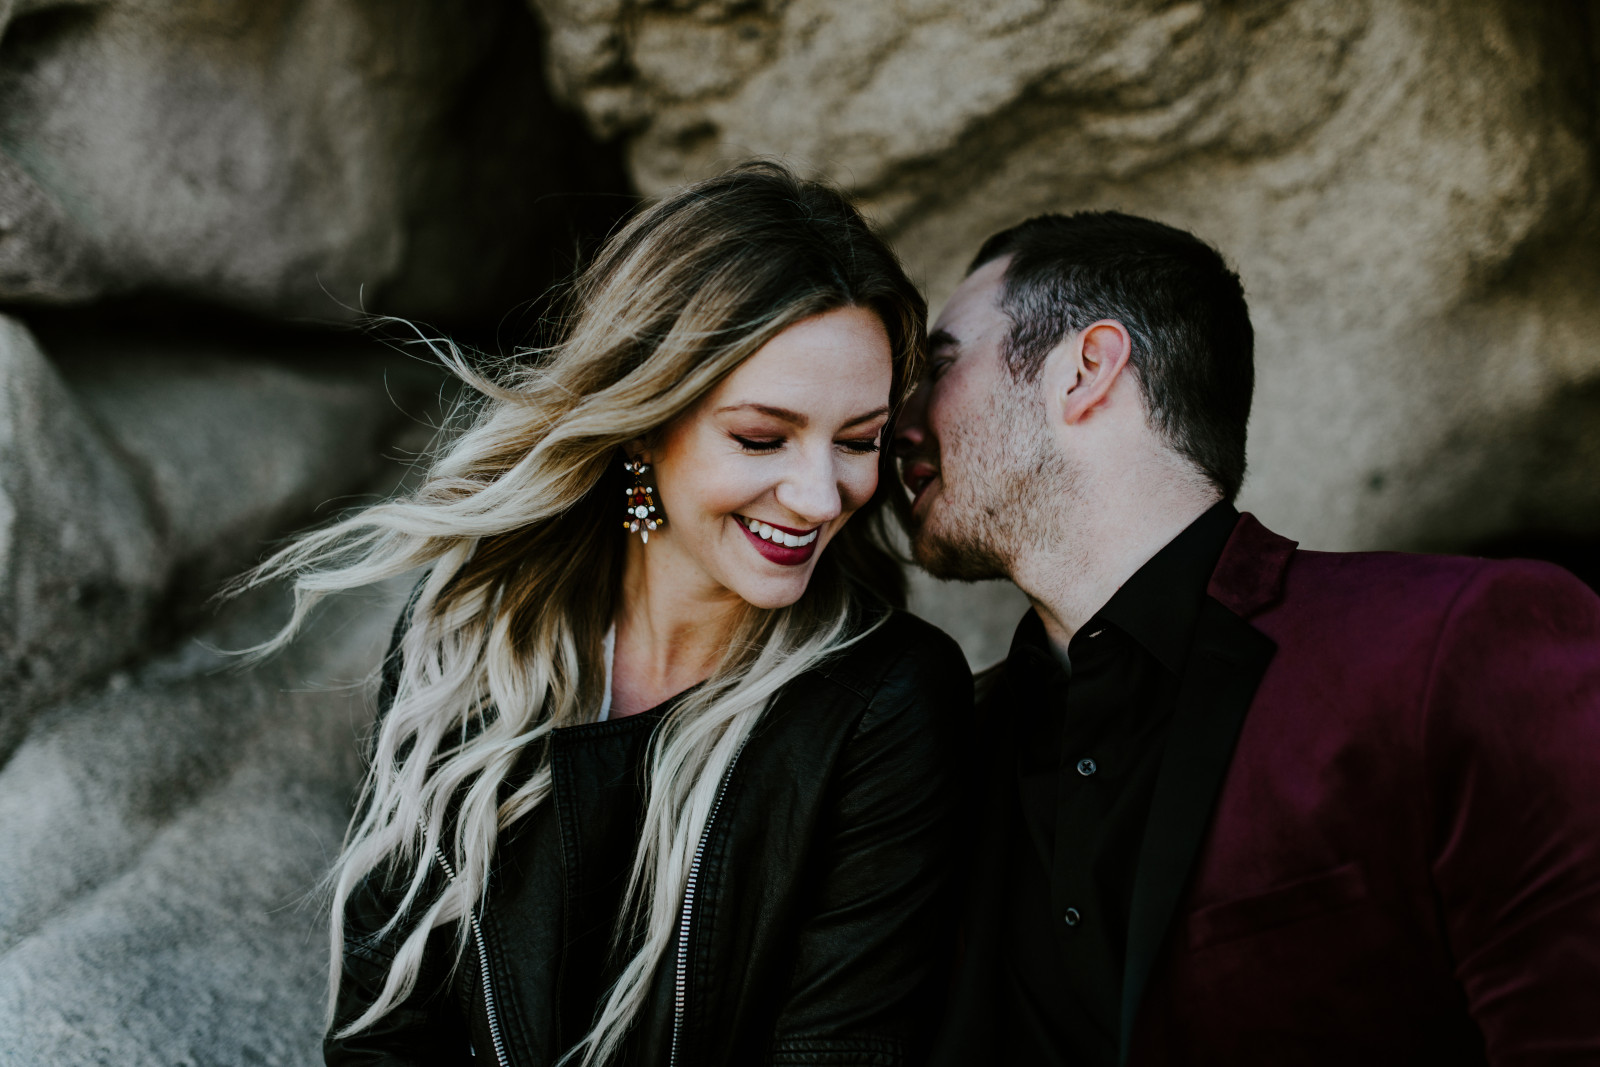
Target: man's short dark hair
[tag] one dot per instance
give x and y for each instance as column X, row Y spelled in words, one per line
column 1193, row 346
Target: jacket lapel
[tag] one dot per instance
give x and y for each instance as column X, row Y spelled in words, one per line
column 1226, row 662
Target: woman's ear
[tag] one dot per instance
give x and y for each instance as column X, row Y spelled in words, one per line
column 1095, row 359
column 640, row 449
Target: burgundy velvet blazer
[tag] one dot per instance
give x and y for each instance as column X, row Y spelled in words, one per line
column 1376, row 834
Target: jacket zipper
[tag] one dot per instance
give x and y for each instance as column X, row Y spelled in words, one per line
column 680, row 982
column 483, row 968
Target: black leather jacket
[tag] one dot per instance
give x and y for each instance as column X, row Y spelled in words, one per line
column 821, row 927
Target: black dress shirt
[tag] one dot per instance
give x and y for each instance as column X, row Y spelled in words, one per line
column 1088, row 744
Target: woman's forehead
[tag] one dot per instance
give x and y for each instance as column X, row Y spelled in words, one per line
column 832, row 366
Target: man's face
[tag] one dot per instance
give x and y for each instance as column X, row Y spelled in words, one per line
column 974, row 446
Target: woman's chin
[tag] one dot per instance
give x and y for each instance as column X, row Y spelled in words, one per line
column 770, row 594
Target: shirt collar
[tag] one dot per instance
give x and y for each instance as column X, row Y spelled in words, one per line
column 1030, row 645
column 1159, row 605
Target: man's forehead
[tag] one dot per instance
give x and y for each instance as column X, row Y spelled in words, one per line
column 974, row 308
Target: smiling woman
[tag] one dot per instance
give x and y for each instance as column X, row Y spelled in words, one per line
column 779, row 455
column 758, row 477
column 589, row 742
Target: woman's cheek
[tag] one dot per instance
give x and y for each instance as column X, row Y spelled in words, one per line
column 860, row 481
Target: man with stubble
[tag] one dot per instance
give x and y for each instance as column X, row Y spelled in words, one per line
column 1241, row 803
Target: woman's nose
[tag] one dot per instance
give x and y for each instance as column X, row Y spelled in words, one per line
column 810, row 489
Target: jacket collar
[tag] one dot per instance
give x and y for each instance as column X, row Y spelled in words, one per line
column 1248, row 578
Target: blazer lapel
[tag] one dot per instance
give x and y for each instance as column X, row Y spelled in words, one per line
column 1225, row 666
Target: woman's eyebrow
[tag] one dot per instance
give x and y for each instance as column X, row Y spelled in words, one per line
column 778, row 413
column 869, row 416
column 799, row 420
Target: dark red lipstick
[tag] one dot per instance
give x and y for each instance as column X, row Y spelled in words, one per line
column 776, row 551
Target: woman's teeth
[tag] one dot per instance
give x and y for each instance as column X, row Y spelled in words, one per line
column 778, row 537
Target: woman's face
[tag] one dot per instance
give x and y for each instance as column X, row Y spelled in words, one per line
column 759, row 476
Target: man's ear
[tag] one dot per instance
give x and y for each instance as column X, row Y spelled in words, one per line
column 1095, row 359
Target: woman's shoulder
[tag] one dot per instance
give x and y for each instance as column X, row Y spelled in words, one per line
column 895, row 701
column 901, row 657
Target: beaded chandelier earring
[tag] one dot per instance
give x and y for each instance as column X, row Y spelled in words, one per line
column 641, row 516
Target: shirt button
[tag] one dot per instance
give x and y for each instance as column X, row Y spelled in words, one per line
column 1086, row 767
column 1072, row 917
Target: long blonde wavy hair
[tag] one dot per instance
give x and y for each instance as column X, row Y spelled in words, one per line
column 518, row 526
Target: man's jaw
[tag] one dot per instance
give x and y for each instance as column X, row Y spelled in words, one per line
column 944, row 552
column 952, row 555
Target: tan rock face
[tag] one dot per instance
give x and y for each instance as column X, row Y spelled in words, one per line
column 1407, row 189
column 885, row 96
column 296, row 157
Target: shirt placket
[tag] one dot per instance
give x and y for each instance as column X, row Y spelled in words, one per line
column 1080, row 810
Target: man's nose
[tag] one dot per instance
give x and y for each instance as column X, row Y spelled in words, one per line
column 910, row 426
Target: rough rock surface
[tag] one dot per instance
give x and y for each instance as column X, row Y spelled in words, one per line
column 281, row 439
column 81, row 565
column 163, row 835
column 165, row 819
column 287, row 157
column 1408, row 190
column 143, row 477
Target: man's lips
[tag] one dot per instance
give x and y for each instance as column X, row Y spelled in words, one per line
column 780, row 544
column 918, row 474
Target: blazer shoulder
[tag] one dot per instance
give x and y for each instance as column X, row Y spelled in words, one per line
column 1412, row 570
column 1391, row 610
column 1439, row 582
column 1530, row 596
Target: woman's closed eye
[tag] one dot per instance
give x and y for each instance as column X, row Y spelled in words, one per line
column 758, row 444
column 859, row 446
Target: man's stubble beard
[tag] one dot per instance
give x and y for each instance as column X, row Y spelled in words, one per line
column 1008, row 497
